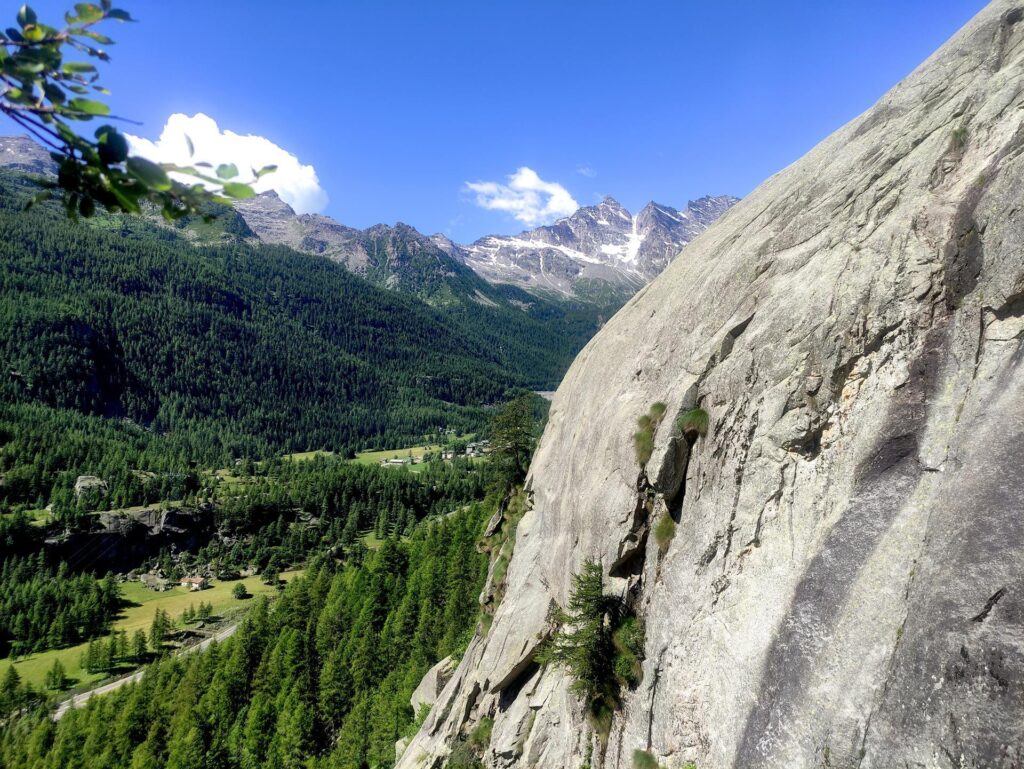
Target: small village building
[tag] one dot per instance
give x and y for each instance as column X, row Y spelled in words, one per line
column 195, row 583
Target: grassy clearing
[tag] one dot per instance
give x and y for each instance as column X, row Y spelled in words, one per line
column 35, row 517
column 139, row 614
column 306, row 456
column 376, row 457
column 363, row 457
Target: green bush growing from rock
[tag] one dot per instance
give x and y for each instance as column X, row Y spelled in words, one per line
column 694, row 423
column 643, row 438
column 958, row 139
column 463, row 757
column 664, row 532
column 642, row 759
column 628, row 642
column 480, row 737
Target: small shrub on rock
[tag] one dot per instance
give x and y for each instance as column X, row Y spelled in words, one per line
column 642, row 759
column 694, row 423
column 664, row 532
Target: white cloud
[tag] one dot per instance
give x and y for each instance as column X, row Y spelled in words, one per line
column 527, row 197
column 586, row 171
column 297, row 184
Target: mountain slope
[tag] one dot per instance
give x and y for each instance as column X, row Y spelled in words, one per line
column 843, row 587
column 259, row 347
column 599, row 251
column 19, row 153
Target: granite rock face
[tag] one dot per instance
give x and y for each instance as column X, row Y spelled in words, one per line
column 432, row 684
column 846, row 582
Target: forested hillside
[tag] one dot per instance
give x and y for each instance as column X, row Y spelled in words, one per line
column 194, row 355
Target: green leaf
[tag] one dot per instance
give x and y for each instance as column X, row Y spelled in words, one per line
column 89, row 106
column 54, row 93
column 190, row 145
column 117, row 13
column 26, row 16
column 238, row 191
column 24, row 70
column 149, row 173
column 87, row 13
column 101, row 39
column 265, row 170
column 111, row 145
column 127, row 199
column 77, row 67
column 227, row 171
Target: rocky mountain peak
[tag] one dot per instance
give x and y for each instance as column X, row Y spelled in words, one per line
column 597, row 244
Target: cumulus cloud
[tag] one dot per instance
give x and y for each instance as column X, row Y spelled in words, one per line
column 527, row 197
column 297, row 184
column 586, row 171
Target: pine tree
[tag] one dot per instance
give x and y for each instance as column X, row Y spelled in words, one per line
column 56, row 677
column 10, row 689
column 92, row 658
column 158, row 630
column 139, row 645
column 513, row 440
column 584, row 643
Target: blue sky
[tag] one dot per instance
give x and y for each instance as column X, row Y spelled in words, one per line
column 397, row 105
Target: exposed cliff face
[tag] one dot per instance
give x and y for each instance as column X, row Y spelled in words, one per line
column 122, row 541
column 845, row 584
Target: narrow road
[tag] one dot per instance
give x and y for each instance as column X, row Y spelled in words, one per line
column 79, row 700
